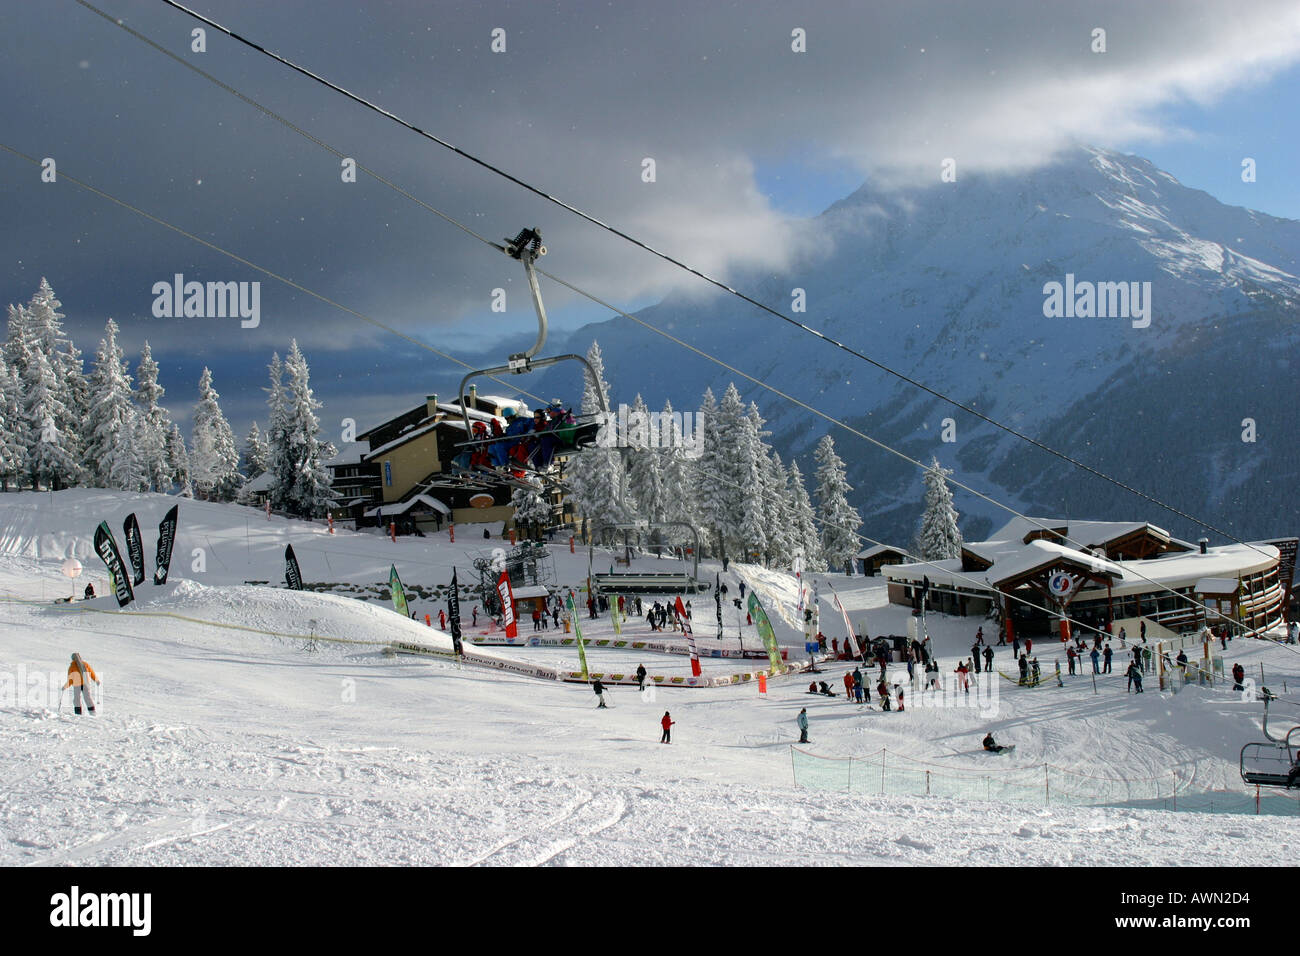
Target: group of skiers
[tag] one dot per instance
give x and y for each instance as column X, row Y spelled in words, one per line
column 526, row 442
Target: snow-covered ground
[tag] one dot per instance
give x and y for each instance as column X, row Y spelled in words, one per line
column 218, row 745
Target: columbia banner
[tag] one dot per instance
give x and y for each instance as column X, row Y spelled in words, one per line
column 398, row 592
column 166, row 538
column 106, row 548
column 292, row 574
column 507, row 605
column 453, row 614
column 690, row 636
column 577, row 634
column 614, row 616
column 134, row 548
column 759, row 617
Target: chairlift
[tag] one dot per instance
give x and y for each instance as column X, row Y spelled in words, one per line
column 526, row 248
column 1268, row 763
column 653, row 583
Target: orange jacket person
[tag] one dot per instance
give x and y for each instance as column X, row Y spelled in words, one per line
column 75, row 681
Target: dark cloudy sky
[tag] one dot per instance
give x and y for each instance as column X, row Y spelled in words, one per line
column 746, row 134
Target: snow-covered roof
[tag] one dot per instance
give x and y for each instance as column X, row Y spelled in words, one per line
column 405, row 506
column 531, row 591
column 879, row 549
column 347, row 453
column 262, row 482
column 1039, row 554
column 1090, row 534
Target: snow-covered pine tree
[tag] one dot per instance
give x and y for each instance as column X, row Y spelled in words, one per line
column 17, row 340
column 709, row 503
column 752, row 466
column 256, row 453
column 155, row 424
column 13, row 449
column 940, row 537
column 111, row 447
column 676, row 477
column 532, row 509
column 839, row 520
column 214, row 460
column 50, row 450
column 807, row 542
column 645, row 472
column 278, row 464
column 309, row 494
column 69, row 395
column 778, row 511
column 596, row 476
column 178, row 460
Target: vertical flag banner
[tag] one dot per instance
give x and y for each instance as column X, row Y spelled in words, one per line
column 507, row 605
column 717, row 597
column 614, row 616
column 106, row 548
column 292, row 574
column 848, row 626
column 690, row 637
column 134, row 548
column 453, row 613
column 765, row 631
column 398, row 592
column 166, row 538
column 577, row 633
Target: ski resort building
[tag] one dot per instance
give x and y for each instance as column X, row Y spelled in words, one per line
column 871, row 560
column 402, row 475
column 1103, row 572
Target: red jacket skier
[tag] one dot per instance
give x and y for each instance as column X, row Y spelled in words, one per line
column 667, row 723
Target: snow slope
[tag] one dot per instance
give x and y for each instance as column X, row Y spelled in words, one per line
column 226, row 746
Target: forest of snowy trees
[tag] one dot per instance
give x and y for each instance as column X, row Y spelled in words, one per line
column 745, row 501
column 61, row 427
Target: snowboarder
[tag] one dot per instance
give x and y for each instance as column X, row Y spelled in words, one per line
column 802, row 721
column 78, row 673
column 991, row 745
column 640, row 677
column 666, row 722
column 90, row 592
column 599, row 688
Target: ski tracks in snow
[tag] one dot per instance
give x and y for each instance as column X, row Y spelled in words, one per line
column 591, row 814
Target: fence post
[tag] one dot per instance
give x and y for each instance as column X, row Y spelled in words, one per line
column 927, row 783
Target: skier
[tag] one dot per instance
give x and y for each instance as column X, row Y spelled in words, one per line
column 640, row 677
column 1135, row 676
column 1029, row 645
column 988, row 659
column 1038, row 673
column 1096, row 656
column 979, row 635
column 882, row 690
column 79, row 690
column 474, row 617
column 1142, row 630
column 599, row 688
column 667, row 723
column 802, row 721
column 900, row 698
column 1023, row 664
column 848, row 685
column 742, row 587
column 1238, row 675
column 1070, row 655
column 991, row 745
column 537, row 618
column 1105, row 668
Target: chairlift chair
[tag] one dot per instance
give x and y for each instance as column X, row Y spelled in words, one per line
column 1268, row 763
column 527, row 247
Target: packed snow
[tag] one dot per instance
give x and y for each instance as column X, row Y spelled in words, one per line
column 246, row 724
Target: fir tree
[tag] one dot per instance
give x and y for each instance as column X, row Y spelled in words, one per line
column 940, row 537
column 532, row 509
column 13, row 448
column 256, row 453
column 154, row 425
column 645, row 476
column 807, row 542
column 178, row 460
column 214, row 461
column 779, row 511
column 66, row 397
column 307, row 492
column 840, row 521
column 596, row 475
column 710, row 501
column 111, row 428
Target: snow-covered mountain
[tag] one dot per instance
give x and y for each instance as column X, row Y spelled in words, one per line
column 946, row 284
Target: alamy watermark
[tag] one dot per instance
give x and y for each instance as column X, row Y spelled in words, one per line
column 211, row 300
column 627, row 428
column 1101, row 300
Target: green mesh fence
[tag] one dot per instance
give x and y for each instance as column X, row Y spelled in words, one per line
column 1042, row 785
